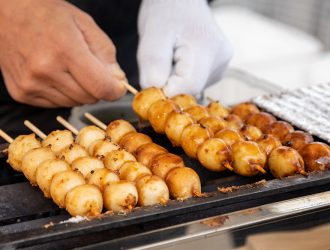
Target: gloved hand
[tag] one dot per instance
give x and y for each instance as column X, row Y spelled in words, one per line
column 181, row 48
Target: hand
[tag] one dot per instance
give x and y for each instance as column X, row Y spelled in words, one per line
column 185, row 33
column 54, row 55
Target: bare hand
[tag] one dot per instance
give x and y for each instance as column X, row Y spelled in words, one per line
column 54, row 55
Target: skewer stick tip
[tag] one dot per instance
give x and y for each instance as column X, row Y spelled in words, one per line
column 34, row 129
column 5, row 136
column 261, row 169
column 67, row 125
column 227, row 165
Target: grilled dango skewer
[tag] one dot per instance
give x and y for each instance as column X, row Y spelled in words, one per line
column 268, row 143
column 214, row 155
column 234, row 122
column 215, row 124
column 250, row 132
column 316, row 156
column 115, row 159
column 192, row 137
column 132, row 141
column 245, row 110
column 297, row 140
column 120, row 196
column 197, row 112
column 175, row 124
column 88, row 135
column 280, row 129
column 73, row 152
column 285, row 161
column 147, row 152
column 183, row 183
column 158, row 113
column 216, row 109
column 261, row 120
column 163, row 163
column 184, row 101
column 144, row 99
column 229, row 136
column 19, row 147
column 101, row 178
column 85, row 165
column 248, row 158
column 45, row 172
column 62, row 183
column 152, row 190
column 132, row 170
column 84, row 200
column 33, row 159
column 117, row 129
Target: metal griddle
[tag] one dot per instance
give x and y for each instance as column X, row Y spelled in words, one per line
column 24, row 211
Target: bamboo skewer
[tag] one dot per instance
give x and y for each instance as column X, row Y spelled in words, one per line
column 67, row 125
column 5, row 136
column 34, row 129
column 130, row 88
column 96, row 121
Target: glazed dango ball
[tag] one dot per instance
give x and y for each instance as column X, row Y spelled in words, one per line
column 132, row 170
column 229, row 136
column 101, row 147
column 316, row 156
column 84, row 200
column 147, row 152
column 250, row 132
column 184, row 101
column 245, row 110
column 144, row 99
column 62, row 183
column 163, row 163
column 132, row 141
column 120, row 196
column 101, row 178
column 86, row 165
column 280, row 129
column 297, row 140
column 268, row 143
column 152, row 190
column 192, row 137
column 215, row 124
column 183, row 183
column 73, row 152
column 33, row 159
column 285, row 161
column 261, row 120
column 58, row 140
column 158, row 113
column 197, row 112
column 89, row 134
column 118, row 128
column 175, row 124
column 45, row 172
column 218, row 110
column 115, row 159
column 234, row 122
column 248, row 158
column 214, row 155
column 19, row 147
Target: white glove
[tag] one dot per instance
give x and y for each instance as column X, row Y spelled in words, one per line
column 181, row 48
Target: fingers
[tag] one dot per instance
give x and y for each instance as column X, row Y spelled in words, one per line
column 155, row 59
column 191, row 71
